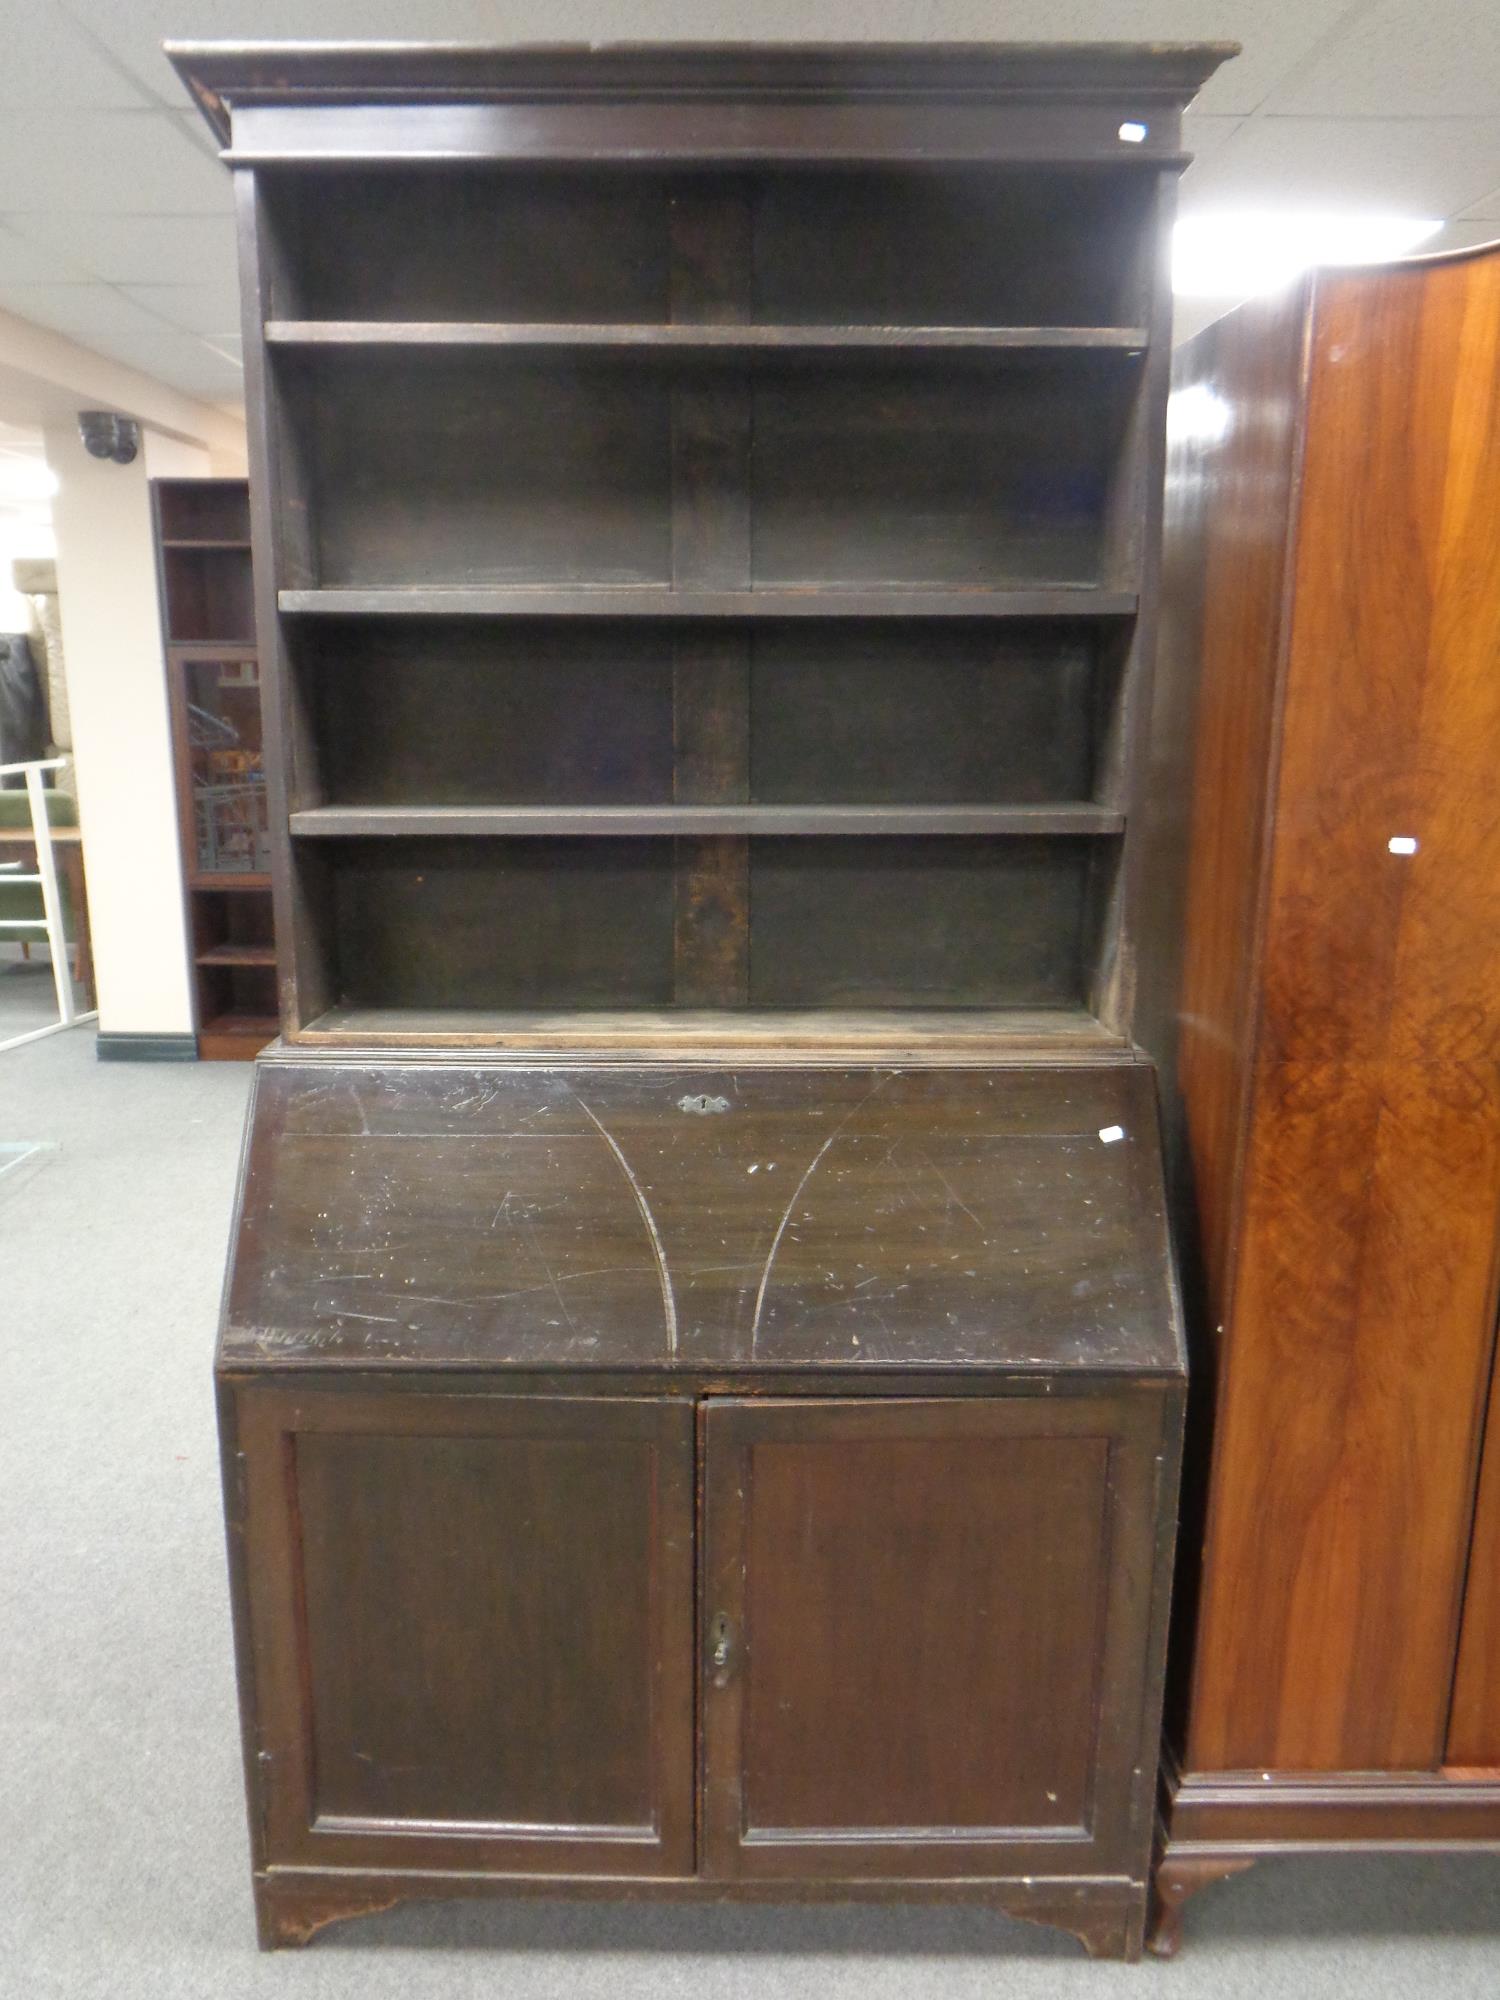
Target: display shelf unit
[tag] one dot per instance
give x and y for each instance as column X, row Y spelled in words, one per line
column 214, row 704
column 711, row 582
column 706, row 520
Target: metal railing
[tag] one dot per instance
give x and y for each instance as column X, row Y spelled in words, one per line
column 51, row 921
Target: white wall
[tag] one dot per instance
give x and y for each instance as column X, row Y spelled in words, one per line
column 106, row 574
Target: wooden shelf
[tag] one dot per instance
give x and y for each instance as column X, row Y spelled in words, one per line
column 359, row 822
column 238, row 881
column 987, row 1034
column 695, row 341
column 658, row 601
column 240, row 542
column 236, row 954
column 222, row 1029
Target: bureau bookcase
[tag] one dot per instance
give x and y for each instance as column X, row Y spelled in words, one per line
column 707, row 509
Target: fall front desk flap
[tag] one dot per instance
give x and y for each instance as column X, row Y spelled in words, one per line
column 469, row 1214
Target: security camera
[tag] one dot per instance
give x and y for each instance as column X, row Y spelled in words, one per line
column 106, row 435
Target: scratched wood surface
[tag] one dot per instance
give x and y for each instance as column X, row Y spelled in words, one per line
column 432, row 1214
column 1354, row 1277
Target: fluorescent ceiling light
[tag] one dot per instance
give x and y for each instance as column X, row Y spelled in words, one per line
column 1234, row 255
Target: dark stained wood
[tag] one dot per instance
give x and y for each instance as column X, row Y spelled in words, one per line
column 294, row 1904
column 877, row 921
column 1474, row 1722
column 518, row 923
column 603, row 1218
column 711, row 942
column 472, row 1622
column 458, row 713
column 999, row 1037
column 1178, row 1878
column 784, row 515
column 704, row 340
column 645, row 601
column 223, row 76
column 965, row 1735
column 206, row 589
column 1217, row 1816
column 341, row 822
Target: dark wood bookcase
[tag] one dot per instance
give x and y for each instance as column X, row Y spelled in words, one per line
column 214, row 705
column 706, row 507
column 714, row 594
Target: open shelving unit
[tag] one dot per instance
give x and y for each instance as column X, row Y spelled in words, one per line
column 709, row 593
column 214, row 702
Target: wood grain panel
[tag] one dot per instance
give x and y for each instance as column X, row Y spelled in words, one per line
column 472, row 1623
column 1231, row 472
column 1474, row 1723
column 477, row 1214
column 1360, row 1308
column 978, row 1725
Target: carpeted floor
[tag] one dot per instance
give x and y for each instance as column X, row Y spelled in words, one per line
column 28, row 998
column 122, row 1849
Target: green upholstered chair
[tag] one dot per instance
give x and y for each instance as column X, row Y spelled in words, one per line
column 21, row 902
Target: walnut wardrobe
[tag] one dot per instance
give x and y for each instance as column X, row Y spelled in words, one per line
column 1331, row 661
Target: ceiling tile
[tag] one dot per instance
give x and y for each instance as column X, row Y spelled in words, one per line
column 24, row 260
column 1397, row 61
column 1278, row 34
column 134, row 249
column 106, row 163
column 1487, row 204
column 81, row 311
column 1203, row 134
column 1464, row 233
column 178, row 359
column 136, row 32
column 1419, row 166
column 208, row 310
column 48, row 59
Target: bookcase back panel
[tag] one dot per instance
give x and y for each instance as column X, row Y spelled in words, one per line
column 872, row 714
column 918, row 923
column 946, row 248
column 456, row 714
column 452, row 468
column 455, row 471
column 503, row 923
column 839, row 246
column 632, row 712
column 906, row 477
column 209, row 595
column 471, row 243
column 497, row 923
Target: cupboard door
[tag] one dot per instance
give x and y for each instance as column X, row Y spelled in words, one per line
column 927, row 1635
column 470, row 1628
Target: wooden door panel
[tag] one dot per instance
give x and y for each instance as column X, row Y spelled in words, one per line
column 473, row 1629
column 929, row 1631
column 1362, row 1333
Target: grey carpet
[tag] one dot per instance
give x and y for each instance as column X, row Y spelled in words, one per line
column 28, row 997
column 122, row 1847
